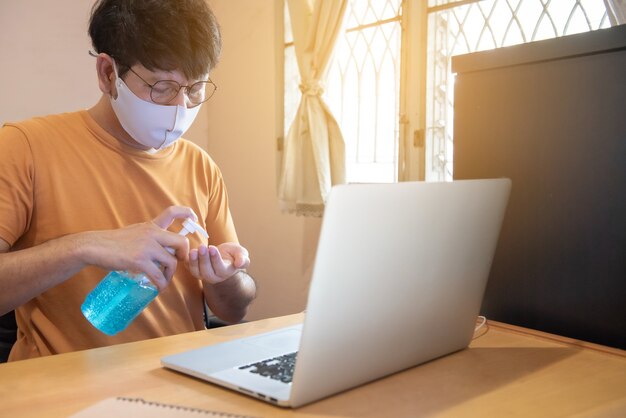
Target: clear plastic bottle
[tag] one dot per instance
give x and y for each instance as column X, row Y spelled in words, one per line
column 121, row 296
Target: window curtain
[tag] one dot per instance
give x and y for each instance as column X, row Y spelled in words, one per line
column 314, row 150
column 616, row 10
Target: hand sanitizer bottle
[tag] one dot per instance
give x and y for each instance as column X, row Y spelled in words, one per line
column 121, row 296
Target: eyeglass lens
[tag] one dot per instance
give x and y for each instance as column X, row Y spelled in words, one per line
column 165, row 90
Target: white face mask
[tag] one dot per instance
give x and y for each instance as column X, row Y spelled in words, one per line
column 150, row 124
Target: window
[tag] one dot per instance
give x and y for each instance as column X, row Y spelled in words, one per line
column 461, row 27
column 363, row 89
column 389, row 83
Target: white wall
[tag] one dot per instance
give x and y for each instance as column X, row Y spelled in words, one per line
column 44, row 65
column 45, row 68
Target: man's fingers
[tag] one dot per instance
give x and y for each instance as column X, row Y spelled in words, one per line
column 210, row 265
column 214, row 265
column 242, row 261
column 171, row 241
column 167, row 262
column 161, row 267
column 165, row 218
column 223, row 268
column 192, row 263
column 154, row 273
column 205, row 265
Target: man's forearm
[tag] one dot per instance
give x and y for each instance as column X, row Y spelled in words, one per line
column 27, row 273
column 229, row 300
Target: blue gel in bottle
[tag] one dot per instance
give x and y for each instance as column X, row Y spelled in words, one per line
column 121, row 296
column 117, row 300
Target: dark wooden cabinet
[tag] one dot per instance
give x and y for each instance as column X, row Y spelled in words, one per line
column 551, row 116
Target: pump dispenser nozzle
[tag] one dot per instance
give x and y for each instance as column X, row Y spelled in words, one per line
column 189, row 227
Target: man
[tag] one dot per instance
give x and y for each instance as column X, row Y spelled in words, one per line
column 93, row 191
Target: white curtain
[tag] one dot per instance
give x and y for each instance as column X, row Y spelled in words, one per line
column 616, row 10
column 314, row 151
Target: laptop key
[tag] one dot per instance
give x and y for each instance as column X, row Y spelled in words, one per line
column 278, row 368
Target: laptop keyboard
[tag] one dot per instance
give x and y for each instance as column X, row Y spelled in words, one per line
column 277, row 368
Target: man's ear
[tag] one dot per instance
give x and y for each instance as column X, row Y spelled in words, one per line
column 106, row 74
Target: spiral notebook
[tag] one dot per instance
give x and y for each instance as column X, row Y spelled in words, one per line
column 138, row 408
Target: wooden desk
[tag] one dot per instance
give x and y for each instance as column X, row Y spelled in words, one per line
column 507, row 371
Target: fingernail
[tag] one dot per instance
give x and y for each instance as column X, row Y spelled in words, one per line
column 213, row 250
column 202, row 250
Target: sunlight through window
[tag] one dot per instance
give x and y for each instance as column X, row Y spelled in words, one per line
column 362, row 85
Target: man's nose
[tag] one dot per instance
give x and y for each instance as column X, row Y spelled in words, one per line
column 181, row 99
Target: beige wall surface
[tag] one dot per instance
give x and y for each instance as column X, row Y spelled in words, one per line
column 45, row 68
column 44, row 65
column 242, row 131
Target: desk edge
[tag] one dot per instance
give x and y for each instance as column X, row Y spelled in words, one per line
column 557, row 338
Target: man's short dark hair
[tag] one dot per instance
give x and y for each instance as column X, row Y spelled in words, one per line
column 159, row 34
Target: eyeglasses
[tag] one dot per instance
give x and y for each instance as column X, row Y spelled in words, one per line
column 164, row 91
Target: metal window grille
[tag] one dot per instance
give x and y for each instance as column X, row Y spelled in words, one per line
column 464, row 26
column 363, row 79
column 364, row 88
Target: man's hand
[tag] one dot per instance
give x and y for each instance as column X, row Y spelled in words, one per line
column 216, row 264
column 228, row 289
column 27, row 273
column 139, row 247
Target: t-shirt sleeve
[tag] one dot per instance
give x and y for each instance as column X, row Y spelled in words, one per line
column 16, row 183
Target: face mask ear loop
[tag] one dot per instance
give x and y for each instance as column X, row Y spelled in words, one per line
column 116, row 75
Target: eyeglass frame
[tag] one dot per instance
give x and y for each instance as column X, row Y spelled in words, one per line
column 180, row 86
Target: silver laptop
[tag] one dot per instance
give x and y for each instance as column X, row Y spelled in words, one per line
column 398, row 280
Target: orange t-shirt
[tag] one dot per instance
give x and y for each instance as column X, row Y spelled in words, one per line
column 64, row 174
